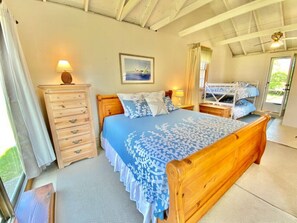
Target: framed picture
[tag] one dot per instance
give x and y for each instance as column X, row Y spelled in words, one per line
column 136, row 69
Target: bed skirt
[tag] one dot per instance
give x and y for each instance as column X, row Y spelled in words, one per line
column 131, row 185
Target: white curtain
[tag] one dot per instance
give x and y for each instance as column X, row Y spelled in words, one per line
column 196, row 54
column 29, row 128
column 193, row 76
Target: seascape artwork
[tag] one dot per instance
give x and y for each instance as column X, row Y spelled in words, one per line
column 136, row 69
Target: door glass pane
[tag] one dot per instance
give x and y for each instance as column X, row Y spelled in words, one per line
column 11, row 171
column 278, row 80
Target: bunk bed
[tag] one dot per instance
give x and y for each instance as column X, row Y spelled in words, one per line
column 240, row 96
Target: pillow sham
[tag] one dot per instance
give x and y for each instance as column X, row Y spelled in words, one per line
column 242, row 84
column 137, row 108
column 154, row 94
column 156, row 105
column 169, row 105
column 128, row 96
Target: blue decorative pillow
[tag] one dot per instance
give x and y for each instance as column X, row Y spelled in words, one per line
column 137, row 108
column 169, row 105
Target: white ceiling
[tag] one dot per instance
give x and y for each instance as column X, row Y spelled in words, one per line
column 241, row 24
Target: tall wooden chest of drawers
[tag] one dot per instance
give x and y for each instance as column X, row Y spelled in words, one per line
column 70, row 118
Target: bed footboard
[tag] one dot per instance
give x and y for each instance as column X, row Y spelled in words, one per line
column 197, row 182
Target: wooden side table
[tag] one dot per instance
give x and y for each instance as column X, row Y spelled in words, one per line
column 187, row 107
column 218, row 110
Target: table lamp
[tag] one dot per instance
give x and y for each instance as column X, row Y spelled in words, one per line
column 179, row 94
column 64, row 68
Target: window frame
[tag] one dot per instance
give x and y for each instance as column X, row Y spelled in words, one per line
column 205, row 75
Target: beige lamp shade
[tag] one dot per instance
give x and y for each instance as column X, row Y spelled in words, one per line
column 179, row 93
column 64, row 67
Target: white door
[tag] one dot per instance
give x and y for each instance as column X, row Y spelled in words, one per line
column 278, row 85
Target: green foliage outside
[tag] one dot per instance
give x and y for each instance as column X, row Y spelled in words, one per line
column 277, row 83
column 10, row 165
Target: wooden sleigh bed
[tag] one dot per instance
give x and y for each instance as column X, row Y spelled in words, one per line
column 197, row 182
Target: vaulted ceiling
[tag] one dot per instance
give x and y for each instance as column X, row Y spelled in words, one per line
column 245, row 26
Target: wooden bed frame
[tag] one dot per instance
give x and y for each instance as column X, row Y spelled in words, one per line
column 197, row 182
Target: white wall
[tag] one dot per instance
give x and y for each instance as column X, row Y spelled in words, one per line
column 92, row 43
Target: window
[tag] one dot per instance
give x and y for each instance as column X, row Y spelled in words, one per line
column 11, row 171
column 203, row 74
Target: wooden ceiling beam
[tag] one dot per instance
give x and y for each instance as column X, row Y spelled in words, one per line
column 184, row 11
column 228, row 15
column 266, row 32
column 131, row 4
column 86, row 5
column 148, row 11
column 227, row 6
column 283, row 23
column 258, row 28
column 178, row 6
column 120, row 9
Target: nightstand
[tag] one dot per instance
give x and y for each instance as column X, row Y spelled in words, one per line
column 218, row 110
column 187, row 107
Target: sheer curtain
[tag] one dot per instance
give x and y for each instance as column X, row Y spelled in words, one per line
column 25, row 115
column 196, row 54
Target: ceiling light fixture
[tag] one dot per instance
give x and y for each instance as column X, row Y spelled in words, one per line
column 277, row 44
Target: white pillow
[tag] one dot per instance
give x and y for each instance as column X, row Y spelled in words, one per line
column 129, row 96
column 154, row 94
column 156, row 105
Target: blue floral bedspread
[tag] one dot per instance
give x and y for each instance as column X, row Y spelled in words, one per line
column 147, row 144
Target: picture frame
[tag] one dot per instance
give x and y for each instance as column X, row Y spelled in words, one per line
column 137, row 69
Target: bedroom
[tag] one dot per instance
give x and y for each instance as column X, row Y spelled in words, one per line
column 50, row 32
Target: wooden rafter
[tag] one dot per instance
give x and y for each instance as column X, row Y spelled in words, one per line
column 266, row 32
column 184, row 11
column 148, row 11
column 178, row 6
column 86, row 5
column 258, row 28
column 131, row 4
column 228, row 15
column 120, row 9
column 283, row 23
column 227, row 6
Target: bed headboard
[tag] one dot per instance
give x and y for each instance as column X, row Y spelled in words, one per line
column 110, row 105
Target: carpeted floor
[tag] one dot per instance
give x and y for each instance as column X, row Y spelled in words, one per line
column 90, row 192
column 252, row 117
column 249, row 118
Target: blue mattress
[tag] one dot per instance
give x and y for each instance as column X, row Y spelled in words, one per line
column 147, row 144
column 242, row 108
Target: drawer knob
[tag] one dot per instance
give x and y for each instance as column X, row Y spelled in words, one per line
column 76, row 141
column 63, row 106
column 77, row 151
column 73, row 120
column 74, row 131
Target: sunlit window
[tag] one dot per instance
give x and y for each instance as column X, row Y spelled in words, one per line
column 11, row 171
column 203, row 74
